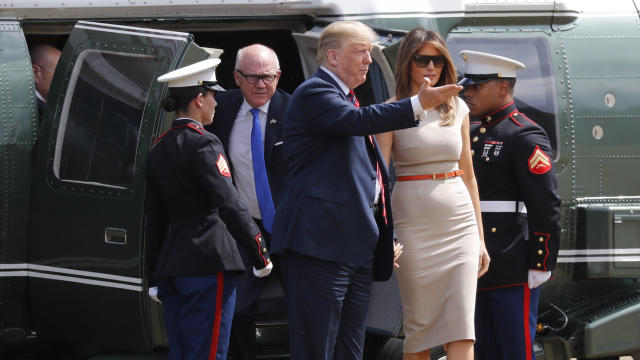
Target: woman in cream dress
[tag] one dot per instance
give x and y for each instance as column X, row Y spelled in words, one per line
column 435, row 208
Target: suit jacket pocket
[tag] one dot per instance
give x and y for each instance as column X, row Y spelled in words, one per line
column 331, row 195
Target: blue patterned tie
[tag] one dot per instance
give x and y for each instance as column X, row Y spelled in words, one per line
column 265, row 202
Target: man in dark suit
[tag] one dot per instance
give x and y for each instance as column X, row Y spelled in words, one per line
column 44, row 59
column 333, row 221
column 257, row 72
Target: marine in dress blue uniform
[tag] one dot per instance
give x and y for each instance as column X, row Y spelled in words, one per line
column 513, row 162
column 232, row 124
column 194, row 221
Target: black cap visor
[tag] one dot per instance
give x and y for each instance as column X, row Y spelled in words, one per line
column 212, row 85
column 475, row 79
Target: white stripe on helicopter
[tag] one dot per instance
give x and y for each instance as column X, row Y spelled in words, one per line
column 599, row 255
column 44, row 272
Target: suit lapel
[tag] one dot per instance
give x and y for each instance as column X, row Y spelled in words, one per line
column 224, row 127
column 271, row 128
column 326, row 77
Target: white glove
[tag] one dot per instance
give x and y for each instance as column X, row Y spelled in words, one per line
column 153, row 292
column 537, row 278
column 264, row 271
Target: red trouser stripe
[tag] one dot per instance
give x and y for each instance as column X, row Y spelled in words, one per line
column 527, row 336
column 217, row 318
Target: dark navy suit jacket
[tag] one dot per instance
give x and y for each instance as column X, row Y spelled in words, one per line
column 325, row 208
column 229, row 103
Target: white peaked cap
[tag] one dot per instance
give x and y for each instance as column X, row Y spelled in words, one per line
column 481, row 67
column 200, row 73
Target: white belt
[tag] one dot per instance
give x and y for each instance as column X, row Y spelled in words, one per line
column 503, row 206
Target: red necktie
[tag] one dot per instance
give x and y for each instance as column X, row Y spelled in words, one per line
column 356, row 103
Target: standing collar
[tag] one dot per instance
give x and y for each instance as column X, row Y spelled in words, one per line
column 185, row 120
column 345, row 89
column 499, row 114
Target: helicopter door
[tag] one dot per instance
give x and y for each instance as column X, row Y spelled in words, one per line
column 18, row 127
column 385, row 309
column 85, row 267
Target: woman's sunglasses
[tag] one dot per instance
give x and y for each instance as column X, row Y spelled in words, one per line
column 423, row 61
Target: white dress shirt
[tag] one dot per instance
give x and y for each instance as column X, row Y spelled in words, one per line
column 240, row 154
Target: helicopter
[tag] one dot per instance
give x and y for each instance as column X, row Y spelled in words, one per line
column 72, row 189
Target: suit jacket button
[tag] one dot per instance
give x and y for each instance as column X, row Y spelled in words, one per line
column 483, row 130
column 539, row 265
column 539, row 252
column 493, row 229
column 541, row 239
column 475, row 139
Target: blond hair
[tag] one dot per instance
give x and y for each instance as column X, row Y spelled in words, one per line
column 338, row 33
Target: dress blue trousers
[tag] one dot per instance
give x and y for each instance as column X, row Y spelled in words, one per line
column 327, row 304
column 198, row 311
column 506, row 323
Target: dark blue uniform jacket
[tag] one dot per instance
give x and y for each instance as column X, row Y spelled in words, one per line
column 513, row 161
column 193, row 213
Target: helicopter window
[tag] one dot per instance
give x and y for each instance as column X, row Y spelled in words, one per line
column 535, row 93
column 101, row 117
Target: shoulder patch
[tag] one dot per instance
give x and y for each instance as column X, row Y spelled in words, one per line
column 539, row 162
column 223, row 168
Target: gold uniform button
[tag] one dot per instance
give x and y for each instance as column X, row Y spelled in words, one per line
column 486, row 159
column 483, row 130
column 493, row 229
column 541, row 239
column 539, row 265
column 472, row 152
column 539, row 252
column 475, row 139
column 264, row 250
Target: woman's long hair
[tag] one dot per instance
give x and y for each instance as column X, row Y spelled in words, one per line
column 412, row 42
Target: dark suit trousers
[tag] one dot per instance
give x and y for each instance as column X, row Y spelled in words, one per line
column 327, row 305
column 248, row 290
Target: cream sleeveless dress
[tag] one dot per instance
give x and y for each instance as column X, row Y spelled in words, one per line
column 435, row 221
